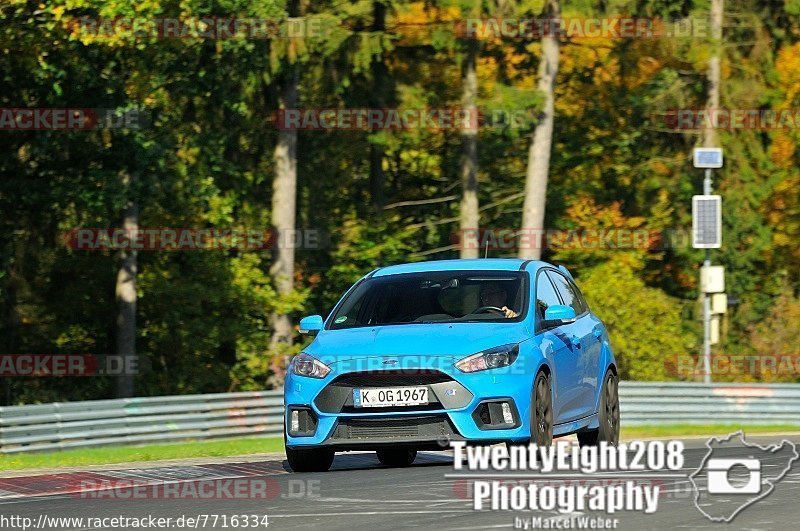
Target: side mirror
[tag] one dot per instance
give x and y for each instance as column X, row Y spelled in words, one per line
column 558, row 314
column 311, row 325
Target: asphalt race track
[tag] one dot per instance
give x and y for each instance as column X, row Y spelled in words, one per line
column 358, row 493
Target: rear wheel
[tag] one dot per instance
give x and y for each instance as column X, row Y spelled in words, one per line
column 608, row 415
column 542, row 411
column 311, row 460
column 396, row 457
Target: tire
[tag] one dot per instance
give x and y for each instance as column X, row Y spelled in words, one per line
column 541, row 411
column 396, row 458
column 311, row 460
column 608, row 415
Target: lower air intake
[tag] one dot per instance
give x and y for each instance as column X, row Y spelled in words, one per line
column 430, row 427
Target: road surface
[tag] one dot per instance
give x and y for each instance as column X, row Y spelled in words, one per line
column 357, row 493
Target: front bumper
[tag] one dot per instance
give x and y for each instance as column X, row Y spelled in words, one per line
column 460, row 408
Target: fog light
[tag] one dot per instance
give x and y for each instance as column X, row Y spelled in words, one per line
column 508, row 418
column 301, row 422
column 496, row 414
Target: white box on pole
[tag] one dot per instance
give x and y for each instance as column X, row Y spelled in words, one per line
column 712, row 279
column 719, row 303
column 714, row 332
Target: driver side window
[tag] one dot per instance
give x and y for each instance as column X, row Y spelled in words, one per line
column 546, row 296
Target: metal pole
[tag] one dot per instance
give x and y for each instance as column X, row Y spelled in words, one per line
column 707, row 300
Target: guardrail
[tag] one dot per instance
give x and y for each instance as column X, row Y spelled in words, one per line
column 174, row 418
column 139, row 420
column 653, row 403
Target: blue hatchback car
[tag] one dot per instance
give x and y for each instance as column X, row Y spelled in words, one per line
column 416, row 355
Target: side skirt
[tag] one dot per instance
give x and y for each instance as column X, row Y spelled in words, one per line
column 591, row 422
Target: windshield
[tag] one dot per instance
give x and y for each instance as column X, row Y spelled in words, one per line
column 434, row 297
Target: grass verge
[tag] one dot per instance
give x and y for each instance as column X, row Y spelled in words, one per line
column 684, row 430
column 122, row 454
column 255, row 445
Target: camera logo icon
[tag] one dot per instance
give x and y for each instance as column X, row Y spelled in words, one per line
column 719, row 472
column 731, row 476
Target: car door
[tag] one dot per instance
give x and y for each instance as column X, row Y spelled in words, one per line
column 594, row 343
column 555, row 347
column 585, row 346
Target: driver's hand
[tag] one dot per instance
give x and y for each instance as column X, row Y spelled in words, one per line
column 509, row 312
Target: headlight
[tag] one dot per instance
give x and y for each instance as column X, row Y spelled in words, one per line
column 489, row 359
column 305, row 365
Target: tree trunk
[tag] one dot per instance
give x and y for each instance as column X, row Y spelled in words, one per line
column 379, row 98
column 376, row 177
column 284, row 192
column 530, row 246
column 470, row 216
column 713, row 73
column 126, row 297
column 284, row 199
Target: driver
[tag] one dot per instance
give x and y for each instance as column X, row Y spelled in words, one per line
column 493, row 295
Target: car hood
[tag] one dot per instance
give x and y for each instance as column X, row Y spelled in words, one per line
column 451, row 340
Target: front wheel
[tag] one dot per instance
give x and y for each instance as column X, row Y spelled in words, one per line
column 396, row 457
column 608, row 415
column 310, row 460
column 542, row 411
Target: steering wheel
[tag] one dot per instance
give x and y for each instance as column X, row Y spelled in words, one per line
column 483, row 309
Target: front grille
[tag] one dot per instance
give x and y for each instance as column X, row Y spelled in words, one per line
column 383, row 429
column 432, row 405
column 443, row 391
column 431, row 427
column 391, row 378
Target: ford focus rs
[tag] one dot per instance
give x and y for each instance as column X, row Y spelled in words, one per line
column 416, row 355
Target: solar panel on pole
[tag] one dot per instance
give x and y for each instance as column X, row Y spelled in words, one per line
column 707, row 158
column 706, row 222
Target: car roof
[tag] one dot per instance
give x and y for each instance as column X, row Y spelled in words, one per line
column 479, row 264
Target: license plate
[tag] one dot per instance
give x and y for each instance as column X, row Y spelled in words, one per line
column 390, row 396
